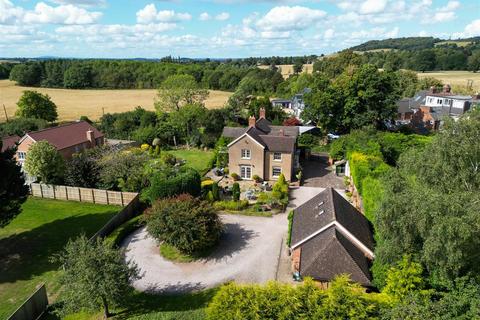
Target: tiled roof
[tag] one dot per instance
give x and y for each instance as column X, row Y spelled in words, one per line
column 66, row 135
column 9, row 142
column 334, row 238
column 233, row 132
column 279, row 143
column 331, row 254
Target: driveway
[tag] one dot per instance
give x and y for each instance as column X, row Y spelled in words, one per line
column 317, row 173
column 248, row 253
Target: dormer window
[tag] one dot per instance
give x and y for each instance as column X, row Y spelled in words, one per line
column 246, row 154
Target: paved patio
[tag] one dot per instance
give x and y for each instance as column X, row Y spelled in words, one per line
column 317, row 173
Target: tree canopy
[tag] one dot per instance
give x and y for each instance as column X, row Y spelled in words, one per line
column 45, row 162
column 13, row 191
column 33, row 104
column 178, row 90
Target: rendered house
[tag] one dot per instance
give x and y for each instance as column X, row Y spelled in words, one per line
column 262, row 149
column 330, row 237
column 294, row 105
column 68, row 138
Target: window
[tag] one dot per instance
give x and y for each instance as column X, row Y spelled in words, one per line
column 246, row 172
column 21, row 155
column 246, row 154
column 276, row 171
column 277, row 156
column 439, row 101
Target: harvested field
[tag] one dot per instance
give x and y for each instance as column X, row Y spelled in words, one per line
column 74, row 103
column 287, row 69
column 455, row 78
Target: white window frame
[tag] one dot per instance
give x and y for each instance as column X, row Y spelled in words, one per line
column 276, row 154
column 22, row 155
column 246, row 154
column 246, row 172
column 273, row 172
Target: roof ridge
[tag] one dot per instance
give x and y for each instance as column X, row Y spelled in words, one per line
column 58, row 126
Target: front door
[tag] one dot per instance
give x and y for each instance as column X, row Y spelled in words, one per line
column 246, row 172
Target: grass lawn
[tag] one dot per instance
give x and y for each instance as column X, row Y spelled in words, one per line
column 195, row 158
column 42, row 229
column 143, row 306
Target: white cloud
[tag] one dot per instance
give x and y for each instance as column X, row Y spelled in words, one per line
column 471, row 30
column 373, row 6
column 442, row 14
column 285, row 18
column 222, row 16
column 149, row 14
column 204, row 16
column 85, row 3
column 46, row 14
column 328, row 34
column 63, row 14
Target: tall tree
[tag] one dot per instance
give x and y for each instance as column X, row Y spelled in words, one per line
column 424, row 60
column 33, row 104
column 13, row 191
column 431, row 205
column 44, row 162
column 94, row 275
column 178, row 90
column 474, row 61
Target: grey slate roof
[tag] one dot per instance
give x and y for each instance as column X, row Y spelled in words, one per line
column 330, row 252
column 274, row 138
column 403, row 106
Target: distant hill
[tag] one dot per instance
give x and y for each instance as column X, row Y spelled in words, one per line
column 411, row 43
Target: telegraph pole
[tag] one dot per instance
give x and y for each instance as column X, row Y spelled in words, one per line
column 5, row 110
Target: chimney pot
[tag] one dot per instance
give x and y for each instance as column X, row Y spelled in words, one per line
column 252, row 121
column 447, row 88
column 262, row 113
column 433, row 89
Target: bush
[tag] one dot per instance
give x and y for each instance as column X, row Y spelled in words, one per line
column 256, row 178
column 171, row 182
column 290, row 221
column 187, row 223
column 231, row 205
column 236, row 191
column 343, row 300
column 308, row 139
column 215, row 191
column 235, row 176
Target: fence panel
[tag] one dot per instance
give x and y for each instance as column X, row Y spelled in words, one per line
column 82, row 194
column 33, row 307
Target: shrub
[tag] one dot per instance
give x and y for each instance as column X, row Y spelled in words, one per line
column 171, row 182
column 290, row 221
column 231, row 205
column 235, row 176
column 256, row 178
column 308, row 140
column 215, row 191
column 187, row 223
column 236, row 191
column 45, row 162
column 207, row 183
column 210, row 197
column 169, row 158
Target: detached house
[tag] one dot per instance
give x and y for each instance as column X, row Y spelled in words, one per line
column 262, row 149
column 330, row 237
column 68, row 138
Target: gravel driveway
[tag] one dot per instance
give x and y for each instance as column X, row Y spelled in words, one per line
column 248, row 252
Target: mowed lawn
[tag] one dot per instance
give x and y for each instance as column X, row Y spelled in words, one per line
column 195, row 158
column 454, row 78
column 92, row 103
column 27, row 243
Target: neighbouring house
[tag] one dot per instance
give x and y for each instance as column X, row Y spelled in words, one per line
column 427, row 109
column 295, row 106
column 330, row 237
column 262, row 149
column 9, row 142
column 68, row 138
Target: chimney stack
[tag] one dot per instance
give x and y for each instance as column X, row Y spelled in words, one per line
column 282, row 133
column 262, row 113
column 91, row 138
column 447, row 88
column 252, row 121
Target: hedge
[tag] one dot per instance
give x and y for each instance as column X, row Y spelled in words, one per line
column 362, row 166
column 290, row 222
column 172, row 183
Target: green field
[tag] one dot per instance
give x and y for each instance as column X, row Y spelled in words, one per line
column 195, row 158
column 27, row 243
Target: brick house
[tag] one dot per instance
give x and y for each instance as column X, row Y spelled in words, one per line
column 330, row 237
column 262, row 149
column 68, row 138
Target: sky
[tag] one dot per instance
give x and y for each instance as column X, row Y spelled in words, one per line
column 221, row 28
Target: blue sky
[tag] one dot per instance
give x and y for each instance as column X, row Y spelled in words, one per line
column 221, row 28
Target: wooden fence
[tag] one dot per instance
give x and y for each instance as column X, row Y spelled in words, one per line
column 33, row 307
column 82, row 194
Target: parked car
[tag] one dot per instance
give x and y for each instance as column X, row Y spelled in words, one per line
column 333, row 136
